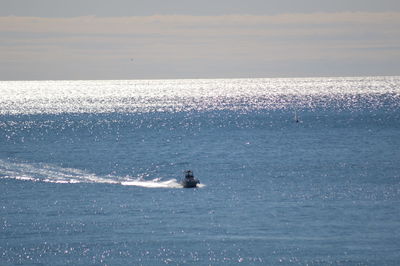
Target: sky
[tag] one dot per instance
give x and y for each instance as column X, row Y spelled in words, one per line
column 158, row 39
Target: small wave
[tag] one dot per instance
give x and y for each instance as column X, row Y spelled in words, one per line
column 39, row 172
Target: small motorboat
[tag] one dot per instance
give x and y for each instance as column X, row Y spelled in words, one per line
column 189, row 181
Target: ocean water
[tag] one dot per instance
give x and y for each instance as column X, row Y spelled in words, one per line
column 293, row 172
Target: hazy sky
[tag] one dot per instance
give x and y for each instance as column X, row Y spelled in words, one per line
column 98, row 39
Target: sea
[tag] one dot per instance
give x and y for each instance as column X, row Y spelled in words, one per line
column 293, row 171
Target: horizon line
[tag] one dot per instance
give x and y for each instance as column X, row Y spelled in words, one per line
column 207, row 78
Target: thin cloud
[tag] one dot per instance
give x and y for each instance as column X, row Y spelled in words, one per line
column 190, row 45
column 186, row 24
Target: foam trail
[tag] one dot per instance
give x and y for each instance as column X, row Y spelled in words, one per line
column 155, row 183
column 40, row 172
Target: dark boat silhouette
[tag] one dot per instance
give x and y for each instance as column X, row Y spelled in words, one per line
column 189, row 181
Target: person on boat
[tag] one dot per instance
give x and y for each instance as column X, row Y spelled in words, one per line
column 189, row 174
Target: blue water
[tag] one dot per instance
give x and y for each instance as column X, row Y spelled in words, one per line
column 89, row 172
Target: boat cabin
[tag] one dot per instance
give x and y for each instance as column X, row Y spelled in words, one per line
column 189, row 174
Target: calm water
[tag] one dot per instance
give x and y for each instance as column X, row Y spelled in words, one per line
column 89, row 172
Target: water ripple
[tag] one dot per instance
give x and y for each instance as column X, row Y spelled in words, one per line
column 132, row 96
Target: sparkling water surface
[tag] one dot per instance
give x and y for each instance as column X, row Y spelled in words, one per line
column 90, row 170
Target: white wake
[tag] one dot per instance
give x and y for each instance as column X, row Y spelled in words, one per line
column 40, row 172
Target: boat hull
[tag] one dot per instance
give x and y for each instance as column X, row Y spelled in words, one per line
column 190, row 183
